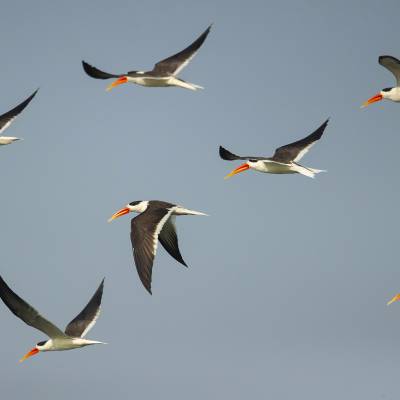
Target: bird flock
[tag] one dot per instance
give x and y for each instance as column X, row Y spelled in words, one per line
column 156, row 220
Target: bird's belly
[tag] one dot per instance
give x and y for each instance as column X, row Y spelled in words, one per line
column 152, row 82
column 275, row 168
column 68, row 344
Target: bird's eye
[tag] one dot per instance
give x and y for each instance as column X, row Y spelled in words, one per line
column 134, row 203
column 253, row 160
column 388, row 89
column 41, row 343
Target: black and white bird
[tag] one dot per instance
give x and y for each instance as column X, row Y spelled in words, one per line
column 390, row 93
column 7, row 118
column 156, row 222
column 284, row 161
column 74, row 335
column 163, row 74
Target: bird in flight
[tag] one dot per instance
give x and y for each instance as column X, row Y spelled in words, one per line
column 155, row 222
column 284, row 161
column 7, row 118
column 390, row 93
column 165, row 72
column 75, row 332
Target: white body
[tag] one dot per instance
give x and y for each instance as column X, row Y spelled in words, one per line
column 7, row 140
column 152, row 81
column 273, row 167
column 60, row 344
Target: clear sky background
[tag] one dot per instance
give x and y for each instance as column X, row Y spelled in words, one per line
column 288, row 280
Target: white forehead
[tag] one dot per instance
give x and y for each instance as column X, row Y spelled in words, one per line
column 140, row 207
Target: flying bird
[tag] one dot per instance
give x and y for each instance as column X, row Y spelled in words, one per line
column 74, row 335
column 156, row 222
column 7, row 118
column 390, row 93
column 163, row 74
column 284, row 161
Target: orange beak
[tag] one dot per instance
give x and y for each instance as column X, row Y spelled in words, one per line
column 241, row 168
column 373, row 99
column 29, row 354
column 395, row 298
column 119, row 213
column 119, row 81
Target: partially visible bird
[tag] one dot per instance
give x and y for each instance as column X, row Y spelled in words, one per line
column 394, row 298
column 390, row 93
column 156, row 222
column 74, row 334
column 163, row 74
column 7, row 118
column 284, row 161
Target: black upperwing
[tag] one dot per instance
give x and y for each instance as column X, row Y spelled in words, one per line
column 26, row 312
column 7, row 118
column 227, row 155
column 174, row 64
column 96, row 73
column 293, row 152
column 145, row 229
column 86, row 319
column 392, row 64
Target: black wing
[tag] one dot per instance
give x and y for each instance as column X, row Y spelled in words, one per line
column 145, row 229
column 393, row 65
column 169, row 240
column 174, row 64
column 227, row 155
column 7, row 118
column 27, row 313
column 293, row 152
column 86, row 319
column 96, row 73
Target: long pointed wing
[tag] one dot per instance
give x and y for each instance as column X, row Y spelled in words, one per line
column 86, row 319
column 393, row 65
column 7, row 118
column 169, row 240
column 227, row 155
column 27, row 313
column 293, row 152
column 96, row 73
column 174, row 64
column 145, row 229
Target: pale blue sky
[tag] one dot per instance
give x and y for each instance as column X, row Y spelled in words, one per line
column 285, row 295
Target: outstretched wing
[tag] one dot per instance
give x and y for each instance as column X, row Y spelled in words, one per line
column 227, row 155
column 169, row 239
column 174, row 64
column 145, row 229
column 96, row 73
column 27, row 313
column 393, row 65
column 293, row 152
column 7, row 118
column 86, row 319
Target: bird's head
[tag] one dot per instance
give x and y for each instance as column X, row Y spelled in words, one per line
column 386, row 93
column 119, row 81
column 134, row 206
column 241, row 168
column 41, row 346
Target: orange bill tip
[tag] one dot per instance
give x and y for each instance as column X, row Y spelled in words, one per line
column 119, row 81
column 119, row 213
column 373, row 99
column 239, row 169
column 394, row 298
column 29, row 354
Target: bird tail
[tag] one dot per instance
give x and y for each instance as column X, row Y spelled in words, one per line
column 310, row 172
